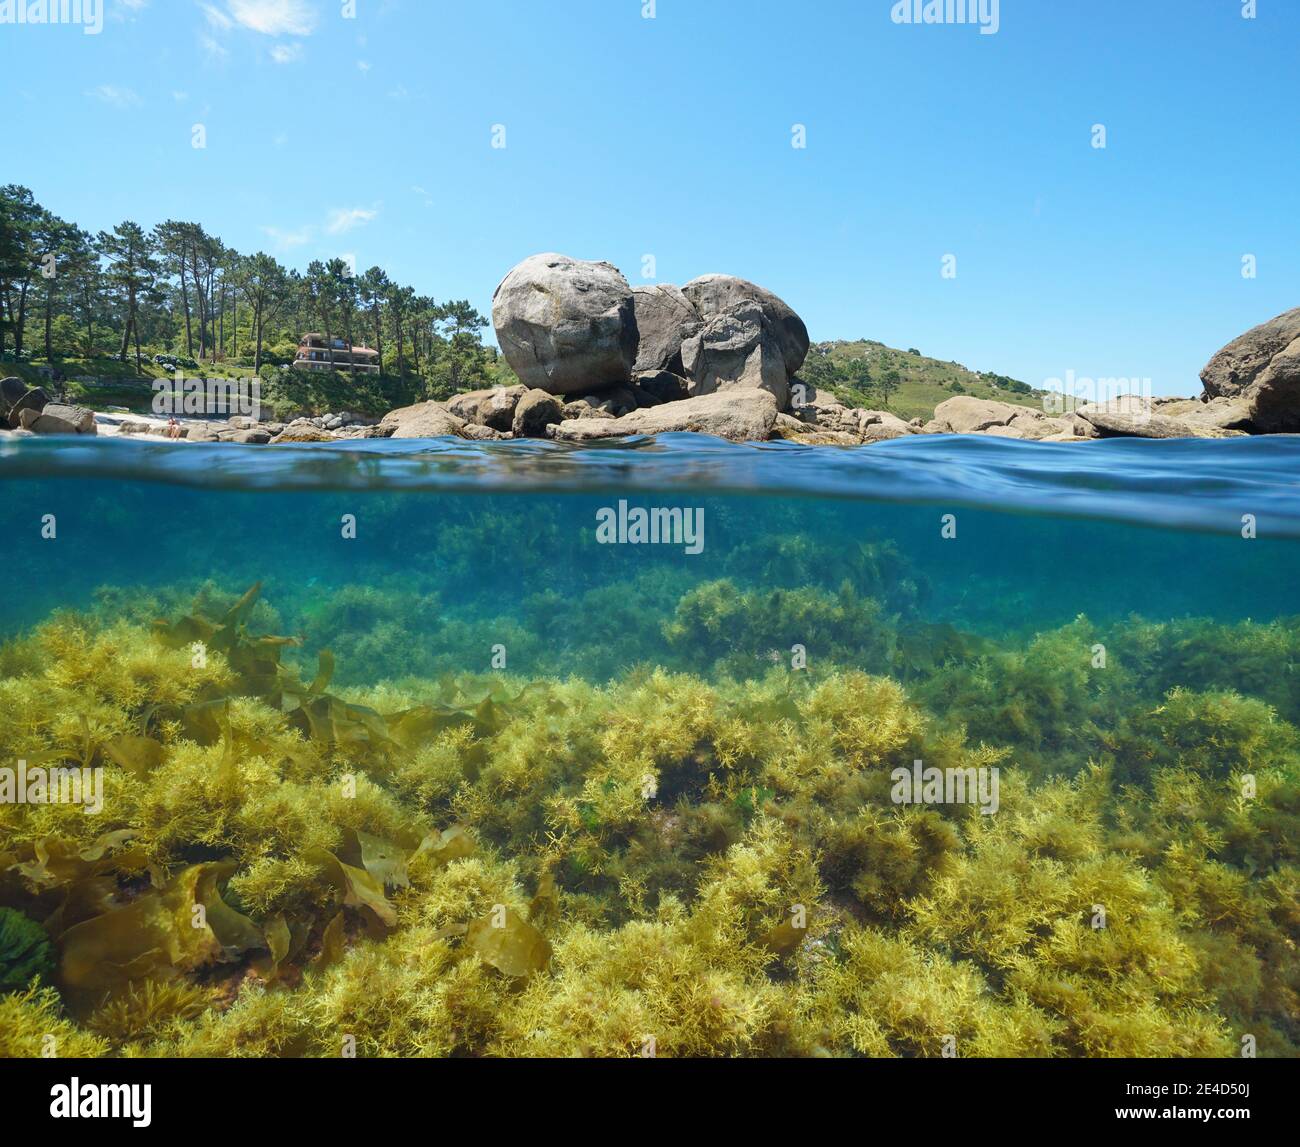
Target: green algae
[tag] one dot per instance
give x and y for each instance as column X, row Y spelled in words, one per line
column 702, row 858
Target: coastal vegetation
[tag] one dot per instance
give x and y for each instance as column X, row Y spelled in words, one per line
column 105, row 305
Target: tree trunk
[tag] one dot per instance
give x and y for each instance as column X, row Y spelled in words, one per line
column 22, row 322
column 185, row 302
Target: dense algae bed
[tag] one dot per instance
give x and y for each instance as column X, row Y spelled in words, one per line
column 644, row 810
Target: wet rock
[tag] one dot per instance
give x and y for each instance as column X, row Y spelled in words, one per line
column 473, row 430
column 566, row 326
column 1261, row 367
column 735, row 414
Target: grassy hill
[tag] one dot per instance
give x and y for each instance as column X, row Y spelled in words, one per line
column 861, row 373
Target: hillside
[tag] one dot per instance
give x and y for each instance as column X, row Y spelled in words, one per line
column 906, row 382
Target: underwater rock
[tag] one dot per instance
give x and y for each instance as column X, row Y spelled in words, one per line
column 566, row 325
column 1262, row 367
column 740, row 415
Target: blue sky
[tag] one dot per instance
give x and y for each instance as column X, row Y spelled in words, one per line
column 625, row 136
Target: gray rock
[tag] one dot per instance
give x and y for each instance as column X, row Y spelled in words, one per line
column 966, row 414
column 11, row 390
column 737, row 415
column 713, row 294
column 423, row 420
column 35, row 399
column 300, row 431
column 1117, row 425
column 536, row 410
column 494, row 408
column 663, row 384
column 564, row 325
column 736, row 349
column 583, row 409
column 665, row 318
column 58, row 418
column 1262, row 367
column 251, row 437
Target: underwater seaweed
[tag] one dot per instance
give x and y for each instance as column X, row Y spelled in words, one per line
column 697, row 857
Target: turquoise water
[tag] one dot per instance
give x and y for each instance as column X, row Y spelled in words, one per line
column 1108, row 529
column 1123, row 611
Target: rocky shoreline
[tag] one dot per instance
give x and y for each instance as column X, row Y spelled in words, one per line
column 598, row 359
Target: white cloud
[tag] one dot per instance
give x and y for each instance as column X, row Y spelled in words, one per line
column 363, row 65
column 345, row 218
column 217, row 18
column 274, row 17
column 212, row 48
column 286, row 239
column 286, row 53
column 115, row 96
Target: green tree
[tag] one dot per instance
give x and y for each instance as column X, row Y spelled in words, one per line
column 373, row 289
column 265, row 285
column 132, row 273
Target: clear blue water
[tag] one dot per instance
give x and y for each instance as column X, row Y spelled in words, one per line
column 1119, row 616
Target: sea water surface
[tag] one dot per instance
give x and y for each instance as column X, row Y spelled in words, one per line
column 1121, row 610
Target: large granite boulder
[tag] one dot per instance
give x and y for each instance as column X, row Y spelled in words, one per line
column 737, row 415
column 34, row 400
column 713, row 294
column 665, row 318
column 566, row 326
column 1263, row 367
column 737, row 349
column 58, row 418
